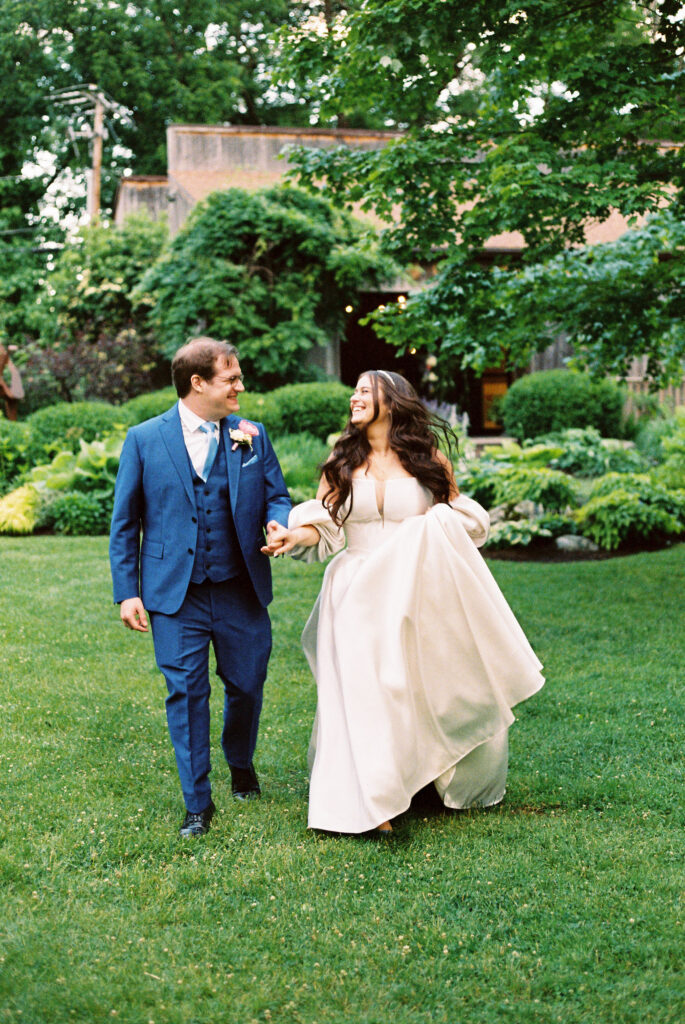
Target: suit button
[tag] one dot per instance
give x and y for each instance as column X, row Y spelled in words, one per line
column 194, row 519
column 206, row 492
column 190, row 551
column 209, row 547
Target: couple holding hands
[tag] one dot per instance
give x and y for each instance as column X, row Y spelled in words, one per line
column 417, row 657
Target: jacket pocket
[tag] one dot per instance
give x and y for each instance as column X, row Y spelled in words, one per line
column 152, row 549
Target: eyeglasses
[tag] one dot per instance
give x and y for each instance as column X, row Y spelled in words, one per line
column 238, row 379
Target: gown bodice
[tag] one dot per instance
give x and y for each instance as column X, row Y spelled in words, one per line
column 367, row 526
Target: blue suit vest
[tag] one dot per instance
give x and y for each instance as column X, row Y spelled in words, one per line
column 217, row 552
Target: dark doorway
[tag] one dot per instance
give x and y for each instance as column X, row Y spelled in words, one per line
column 362, row 349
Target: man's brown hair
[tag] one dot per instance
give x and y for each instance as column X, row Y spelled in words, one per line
column 199, row 356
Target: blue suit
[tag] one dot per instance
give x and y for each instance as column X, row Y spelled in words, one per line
column 157, row 493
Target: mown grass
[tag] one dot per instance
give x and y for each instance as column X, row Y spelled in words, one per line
column 564, row 904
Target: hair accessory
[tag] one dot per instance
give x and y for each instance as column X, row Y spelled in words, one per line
column 384, row 373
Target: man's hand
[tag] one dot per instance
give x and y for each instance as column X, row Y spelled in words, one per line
column 133, row 614
column 275, row 537
column 280, row 540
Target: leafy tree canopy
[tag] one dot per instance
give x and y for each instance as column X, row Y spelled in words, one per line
column 516, row 117
column 84, row 338
column 272, row 271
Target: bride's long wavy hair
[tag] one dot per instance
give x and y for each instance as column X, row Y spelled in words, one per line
column 414, row 437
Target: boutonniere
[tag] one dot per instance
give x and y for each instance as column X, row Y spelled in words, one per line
column 243, row 434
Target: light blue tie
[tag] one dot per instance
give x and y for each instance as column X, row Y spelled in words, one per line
column 208, row 428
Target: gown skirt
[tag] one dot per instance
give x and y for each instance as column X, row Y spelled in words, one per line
column 417, row 657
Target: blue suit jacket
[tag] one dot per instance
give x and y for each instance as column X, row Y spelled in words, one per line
column 154, row 493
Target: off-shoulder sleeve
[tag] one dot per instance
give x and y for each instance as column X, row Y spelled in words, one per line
column 474, row 518
column 332, row 538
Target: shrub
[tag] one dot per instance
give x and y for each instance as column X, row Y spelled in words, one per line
column 615, row 519
column 300, row 456
column 272, row 270
column 584, row 452
column 671, row 473
column 316, row 408
column 93, row 468
column 547, row 487
column 627, row 507
column 19, row 510
column 479, row 481
column 78, row 513
column 64, row 425
column 14, row 443
column 516, row 533
column 144, row 407
column 552, row 400
column 650, row 438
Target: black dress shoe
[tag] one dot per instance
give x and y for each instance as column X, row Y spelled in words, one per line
column 244, row 783
column 197, row 824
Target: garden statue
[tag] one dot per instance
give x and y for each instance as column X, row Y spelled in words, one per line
column 13, row 392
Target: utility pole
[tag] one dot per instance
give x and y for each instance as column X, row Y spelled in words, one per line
column 85, row 99
column 94, row 191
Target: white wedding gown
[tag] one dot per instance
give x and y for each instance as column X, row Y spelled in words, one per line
column 417, row 657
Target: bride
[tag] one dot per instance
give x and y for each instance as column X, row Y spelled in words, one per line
column 417, row 657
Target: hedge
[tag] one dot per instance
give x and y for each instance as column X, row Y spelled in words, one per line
column 554, row 400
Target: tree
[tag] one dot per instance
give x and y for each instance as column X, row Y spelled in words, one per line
column 159, row 62
column 272, row 271
column 89, row 339
column 516, row 117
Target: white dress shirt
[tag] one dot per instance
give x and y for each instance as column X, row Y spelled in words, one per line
column 196, row 440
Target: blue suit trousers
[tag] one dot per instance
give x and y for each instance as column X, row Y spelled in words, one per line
column 229, row 616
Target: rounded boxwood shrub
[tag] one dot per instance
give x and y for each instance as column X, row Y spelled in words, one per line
column 62, row 426
column 553, row 400
column 144, row 407
column 315, row 408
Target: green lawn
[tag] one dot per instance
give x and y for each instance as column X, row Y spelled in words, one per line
column 564, row 904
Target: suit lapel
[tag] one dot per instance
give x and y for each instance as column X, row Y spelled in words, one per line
column 172, row 435
column 233, row 459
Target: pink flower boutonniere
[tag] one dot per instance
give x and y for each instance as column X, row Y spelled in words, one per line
column 243, row 434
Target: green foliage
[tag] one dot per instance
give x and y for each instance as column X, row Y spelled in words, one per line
column 19, row 510
column 196, row 62
column 94, row 342
column 584, row 452
column 554, row 400
column 614, row 302
column 671, row 472
column 14, row 443
column 320, row 409
column 478, row 479
column 301, row 456
column 516, row 533
column 65, row 425
column 663, row 441
column 77, row 513
column 144, row 407
column 650, row 436
column 536, row 121
column 550, row 488
column 92, row 468
column 628, row 508
column 271, row 271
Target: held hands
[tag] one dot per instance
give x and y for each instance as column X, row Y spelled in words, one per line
column 280, row 540
column 133, row 615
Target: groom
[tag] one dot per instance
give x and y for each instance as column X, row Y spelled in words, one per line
column 201, row 484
